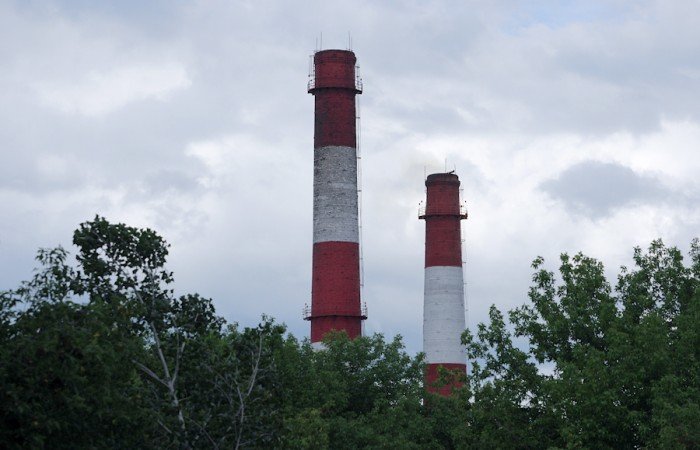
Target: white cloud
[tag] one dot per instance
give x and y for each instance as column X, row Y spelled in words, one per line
column 100, row 92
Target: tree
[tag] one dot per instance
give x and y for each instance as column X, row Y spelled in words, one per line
column 233, row 388
column 622, row 365
column 360, row 393
column 103, row 355
column 63, row 381
column 211, row 386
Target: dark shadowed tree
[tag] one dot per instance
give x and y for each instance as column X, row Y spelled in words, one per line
column 211, row 386
column 64, row 382
column 617, row 368
column 361, row 393
column 102, row 354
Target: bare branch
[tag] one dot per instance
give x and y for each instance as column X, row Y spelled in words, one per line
column 251, row 385
column 178, row 357
column 206, row 434
column 149, row 372
column 168, row 381
column 168, row 430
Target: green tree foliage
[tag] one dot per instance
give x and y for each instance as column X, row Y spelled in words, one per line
column 63, row 383
column 102, row 354
column 361, row 393
column 602, row 367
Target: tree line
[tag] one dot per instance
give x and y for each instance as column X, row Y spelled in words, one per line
column 100, row 353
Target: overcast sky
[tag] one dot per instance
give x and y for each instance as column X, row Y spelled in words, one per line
column 573, row 125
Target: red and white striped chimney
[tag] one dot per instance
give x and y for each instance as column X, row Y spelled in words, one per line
column 335, row 287
column 443, row 305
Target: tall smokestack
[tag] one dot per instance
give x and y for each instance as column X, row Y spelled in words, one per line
column 443, row 305
column 335, row 286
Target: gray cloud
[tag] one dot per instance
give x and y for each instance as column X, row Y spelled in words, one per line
column 597, row 189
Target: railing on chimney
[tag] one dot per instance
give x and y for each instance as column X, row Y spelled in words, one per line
column 358, row 79
column 463, row 213
column 312, row 77
column 306, row 311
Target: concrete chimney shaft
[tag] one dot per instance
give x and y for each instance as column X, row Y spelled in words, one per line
column 335, row 287
column 443, row 305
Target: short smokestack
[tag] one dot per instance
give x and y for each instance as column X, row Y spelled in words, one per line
column 443, row 305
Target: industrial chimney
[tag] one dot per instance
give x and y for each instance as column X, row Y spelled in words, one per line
column 443, row 304
column 335, row 286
